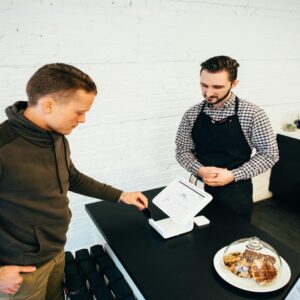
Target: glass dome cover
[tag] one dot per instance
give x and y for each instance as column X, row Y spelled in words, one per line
column 253, row 259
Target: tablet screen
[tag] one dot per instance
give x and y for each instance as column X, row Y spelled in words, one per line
column 181, row 200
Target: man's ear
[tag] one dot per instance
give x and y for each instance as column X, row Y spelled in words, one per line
column 234, row 83
column 48, row 104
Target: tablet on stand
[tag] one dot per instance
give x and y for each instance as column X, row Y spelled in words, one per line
column 181, row 201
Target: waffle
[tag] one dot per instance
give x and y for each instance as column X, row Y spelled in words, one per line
column 251, row 264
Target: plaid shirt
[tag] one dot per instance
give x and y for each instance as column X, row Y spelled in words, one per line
column 255, row 125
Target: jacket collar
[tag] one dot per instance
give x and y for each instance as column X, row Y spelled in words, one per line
column 27, row 129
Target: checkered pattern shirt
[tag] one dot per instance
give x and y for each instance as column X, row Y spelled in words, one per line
column 255, row 125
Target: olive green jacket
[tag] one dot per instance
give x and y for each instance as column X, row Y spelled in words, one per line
column 36, row 172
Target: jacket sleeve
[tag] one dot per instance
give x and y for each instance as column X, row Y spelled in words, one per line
column 87, row 186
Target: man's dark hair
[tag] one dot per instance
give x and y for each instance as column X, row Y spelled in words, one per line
column 57, row 78
column 221, row 63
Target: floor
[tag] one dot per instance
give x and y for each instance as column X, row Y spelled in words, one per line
column 279, row 220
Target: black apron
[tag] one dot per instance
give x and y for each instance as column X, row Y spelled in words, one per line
column 223, row 144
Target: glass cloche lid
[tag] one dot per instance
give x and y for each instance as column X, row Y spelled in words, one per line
column 253, row 259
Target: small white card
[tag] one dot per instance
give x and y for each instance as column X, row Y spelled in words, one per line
column 181, row 200
column 294, row 293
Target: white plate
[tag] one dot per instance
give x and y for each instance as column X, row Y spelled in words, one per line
column 249, row 284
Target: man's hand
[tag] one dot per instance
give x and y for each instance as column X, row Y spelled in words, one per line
column 218, row 177
column 207, row 172
column 134, row 198
column 214, row 176
column 10, row 278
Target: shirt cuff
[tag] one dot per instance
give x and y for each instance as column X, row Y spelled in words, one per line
column 195, row 167
column 238, row 174
column 119, row 199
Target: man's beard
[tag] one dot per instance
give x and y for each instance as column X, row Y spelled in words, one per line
column 219, row 99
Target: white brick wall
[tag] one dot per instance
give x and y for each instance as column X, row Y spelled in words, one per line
column 145, row 57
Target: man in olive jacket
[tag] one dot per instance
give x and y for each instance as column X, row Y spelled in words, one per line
column 36, row 172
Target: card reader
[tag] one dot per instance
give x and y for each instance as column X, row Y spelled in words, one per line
column 201, row 221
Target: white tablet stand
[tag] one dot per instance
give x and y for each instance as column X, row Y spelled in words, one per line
column 181, row 201
column 168, row 228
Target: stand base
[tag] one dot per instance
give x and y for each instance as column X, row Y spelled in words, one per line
column 168, row 228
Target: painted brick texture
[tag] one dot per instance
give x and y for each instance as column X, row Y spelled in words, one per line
column 145, row 57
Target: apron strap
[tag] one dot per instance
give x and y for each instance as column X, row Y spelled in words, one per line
column 236, row 108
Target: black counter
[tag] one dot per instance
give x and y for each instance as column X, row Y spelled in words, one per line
column 181, row 267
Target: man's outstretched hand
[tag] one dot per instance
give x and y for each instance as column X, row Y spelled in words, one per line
column 134, row 198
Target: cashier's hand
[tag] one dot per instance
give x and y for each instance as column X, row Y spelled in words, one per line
column 207, row 172
column 134, row 198
column 217, row 177
column 10, row 278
